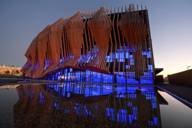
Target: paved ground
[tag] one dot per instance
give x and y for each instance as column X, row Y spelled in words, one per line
column 179, row 90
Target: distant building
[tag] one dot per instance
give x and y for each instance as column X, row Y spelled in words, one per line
column 183, row 78
column 10, row 70
column 105, row 46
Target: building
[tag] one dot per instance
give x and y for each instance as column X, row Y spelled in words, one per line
column 183, row 78
column 10, row 70
column 104, row 46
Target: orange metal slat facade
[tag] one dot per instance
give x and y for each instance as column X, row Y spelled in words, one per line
column 111, row 42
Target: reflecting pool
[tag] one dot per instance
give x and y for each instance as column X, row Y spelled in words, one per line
column 74, row 105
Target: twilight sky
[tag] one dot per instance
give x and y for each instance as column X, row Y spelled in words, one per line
column 170, row 24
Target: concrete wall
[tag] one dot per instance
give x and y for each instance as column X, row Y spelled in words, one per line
column 181, row 78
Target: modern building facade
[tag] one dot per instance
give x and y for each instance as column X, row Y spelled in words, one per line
column 104, row 46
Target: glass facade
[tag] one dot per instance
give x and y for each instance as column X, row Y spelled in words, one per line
column 125, row 74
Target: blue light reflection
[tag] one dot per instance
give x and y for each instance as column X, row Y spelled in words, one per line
column 125, row 103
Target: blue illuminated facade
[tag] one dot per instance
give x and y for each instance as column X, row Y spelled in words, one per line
column 126, row 74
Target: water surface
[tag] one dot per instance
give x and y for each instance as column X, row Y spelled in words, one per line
column 73, row 105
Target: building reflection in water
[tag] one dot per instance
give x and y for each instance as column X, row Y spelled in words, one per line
column 74, row 105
